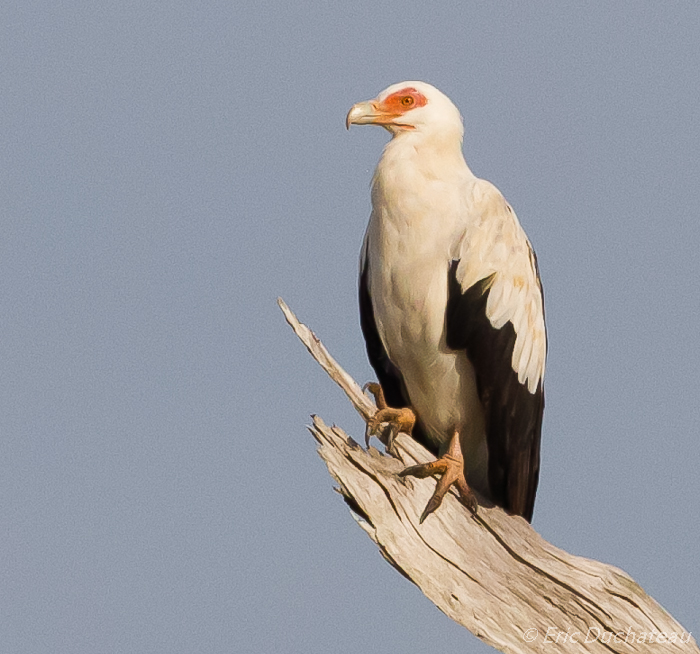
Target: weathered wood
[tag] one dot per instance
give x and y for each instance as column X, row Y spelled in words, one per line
column 492, row 573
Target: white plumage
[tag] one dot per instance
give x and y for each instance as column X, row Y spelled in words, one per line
column 439, row 242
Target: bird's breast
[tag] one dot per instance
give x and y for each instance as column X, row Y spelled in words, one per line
column 410, row 242
column 408, row 276
column 409, row 258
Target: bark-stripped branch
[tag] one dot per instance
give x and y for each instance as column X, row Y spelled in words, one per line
column 492, row 573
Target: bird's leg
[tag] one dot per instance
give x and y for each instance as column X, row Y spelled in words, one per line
column 400, row 420
column 451, row 466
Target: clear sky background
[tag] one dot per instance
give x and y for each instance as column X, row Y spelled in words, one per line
column 170, row 168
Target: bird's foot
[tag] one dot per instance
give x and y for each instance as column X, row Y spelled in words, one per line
column 397, row 420
column 451, row 467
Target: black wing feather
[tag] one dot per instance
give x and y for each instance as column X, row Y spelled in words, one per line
column 388, row 374
column 513, row 414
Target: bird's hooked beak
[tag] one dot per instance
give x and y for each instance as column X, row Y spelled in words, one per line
column 364, row 113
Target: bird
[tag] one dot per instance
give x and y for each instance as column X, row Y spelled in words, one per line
column 451, row 308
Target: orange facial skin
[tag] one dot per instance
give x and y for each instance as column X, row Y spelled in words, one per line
column 402, row 101
column 399, row 103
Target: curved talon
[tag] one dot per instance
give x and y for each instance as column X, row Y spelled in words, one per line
column 399, row 420
column 451, row 467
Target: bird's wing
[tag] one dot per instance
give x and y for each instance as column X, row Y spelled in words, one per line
column 495, row 312
column 388, row 374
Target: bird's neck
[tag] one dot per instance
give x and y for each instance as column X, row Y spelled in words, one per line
column 411, row 159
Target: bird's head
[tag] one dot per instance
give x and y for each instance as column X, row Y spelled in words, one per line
column 408, row 106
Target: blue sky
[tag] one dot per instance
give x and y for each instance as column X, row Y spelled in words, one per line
column 170, row 168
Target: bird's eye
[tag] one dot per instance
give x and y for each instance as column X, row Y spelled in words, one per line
column 407, row 101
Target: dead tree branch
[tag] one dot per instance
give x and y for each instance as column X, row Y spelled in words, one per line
column 492, row 573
